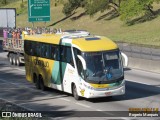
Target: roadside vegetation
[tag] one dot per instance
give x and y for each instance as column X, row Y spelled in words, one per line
column 132, row 21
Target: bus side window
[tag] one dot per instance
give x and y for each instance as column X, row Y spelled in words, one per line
column 27, row 47
column 44, row 50
column 48, row 51
column 57, row 53
column 78, row 62
column 62, row 54
column 38, row 49
column 66, row 55
column 79, row 67
column 69, row 57
column 76, row 52
column 53, row 52
column 33, row 49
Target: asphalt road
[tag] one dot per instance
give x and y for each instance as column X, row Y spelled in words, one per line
column 142, row 91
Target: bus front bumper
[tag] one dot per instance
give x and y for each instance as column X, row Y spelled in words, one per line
column 104, row 93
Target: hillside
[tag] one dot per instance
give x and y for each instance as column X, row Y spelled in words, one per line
column 147, row 32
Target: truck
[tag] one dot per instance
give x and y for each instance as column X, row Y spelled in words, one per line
column 14, row 45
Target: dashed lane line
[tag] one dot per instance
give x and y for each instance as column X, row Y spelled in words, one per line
column 20, row 69
column 99, row 110
column 65, row 99
column 138, row 82
column 83, row 105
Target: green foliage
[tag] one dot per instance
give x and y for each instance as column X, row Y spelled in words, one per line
column 130, row 9
column 127, row 9
column 4, row 2
column 21, row 5
column 91, row 6
column 72, row 5
column 133, row 8
column 94, row 6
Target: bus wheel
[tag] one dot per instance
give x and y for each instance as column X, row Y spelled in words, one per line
column 74, row 92
column 42, row 86
column 11, row 58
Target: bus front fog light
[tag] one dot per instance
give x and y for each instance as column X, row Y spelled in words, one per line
column 122, row 91
column 91, row 94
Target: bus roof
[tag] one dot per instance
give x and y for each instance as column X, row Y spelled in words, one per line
column 88, row 43
column 94, row 43
column 46, row 38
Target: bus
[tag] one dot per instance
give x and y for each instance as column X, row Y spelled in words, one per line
column 84, row 65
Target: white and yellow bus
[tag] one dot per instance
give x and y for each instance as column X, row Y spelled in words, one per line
column 83, row 65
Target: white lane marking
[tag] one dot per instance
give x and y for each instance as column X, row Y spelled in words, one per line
column 83, row 105
column 145, row 71
column 17, row 105
column 11, row 68
column 138, row 82
column 65, row 99
column 20, row 69
column 98, row 110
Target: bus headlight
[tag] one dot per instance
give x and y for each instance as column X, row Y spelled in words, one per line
column 88, row 87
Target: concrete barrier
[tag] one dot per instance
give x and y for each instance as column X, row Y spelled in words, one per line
column 143, row 64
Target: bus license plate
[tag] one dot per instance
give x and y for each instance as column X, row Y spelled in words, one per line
column 108, row 93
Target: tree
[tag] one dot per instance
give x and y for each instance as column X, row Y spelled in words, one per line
column 91, row 6
column 133, row 8
column 4, row 2
column 94, row 6
column 72, row 5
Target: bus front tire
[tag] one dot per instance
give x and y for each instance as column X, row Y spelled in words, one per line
column 74, row 92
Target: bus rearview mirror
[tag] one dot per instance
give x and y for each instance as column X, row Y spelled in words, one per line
column 125, row 59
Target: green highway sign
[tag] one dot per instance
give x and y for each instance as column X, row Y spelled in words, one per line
column 38, row 10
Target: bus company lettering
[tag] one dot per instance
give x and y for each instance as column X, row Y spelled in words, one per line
column 41, row 63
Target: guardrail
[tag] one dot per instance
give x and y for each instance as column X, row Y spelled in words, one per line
column 139, row 51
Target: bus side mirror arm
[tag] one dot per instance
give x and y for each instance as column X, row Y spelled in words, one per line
column 125, row 59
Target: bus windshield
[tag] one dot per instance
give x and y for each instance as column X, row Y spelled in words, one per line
column 103, row 67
